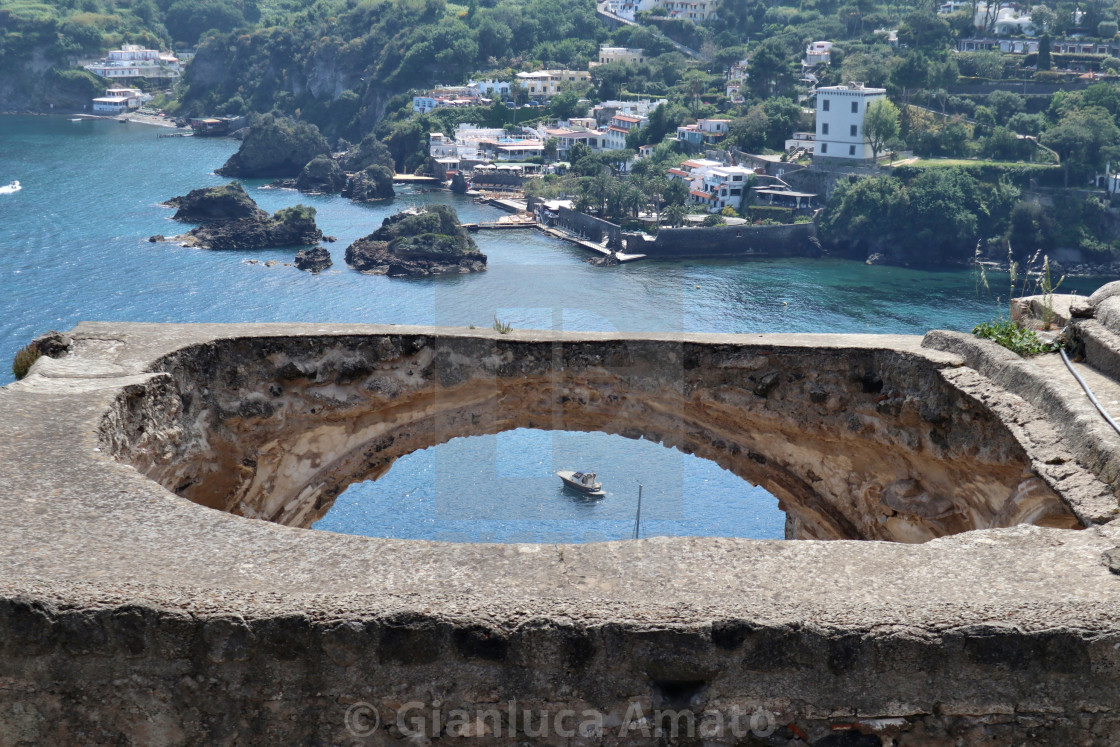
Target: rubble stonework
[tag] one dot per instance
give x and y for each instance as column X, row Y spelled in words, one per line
column 131, row 610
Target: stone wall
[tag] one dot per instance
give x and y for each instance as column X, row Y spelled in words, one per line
column 133, row 613
column 594, row 229
column 793, row 240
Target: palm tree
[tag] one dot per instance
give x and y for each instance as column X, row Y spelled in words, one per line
column 674, row 214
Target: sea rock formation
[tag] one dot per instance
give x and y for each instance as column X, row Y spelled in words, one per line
column 427, row 241
column 313, row 260
column 371, row 183
column 275, row 147
column 231, row 220
column 229, row 202
column 321, row 174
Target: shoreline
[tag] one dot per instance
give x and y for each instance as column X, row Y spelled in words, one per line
column 134, row 117
column 144, row 119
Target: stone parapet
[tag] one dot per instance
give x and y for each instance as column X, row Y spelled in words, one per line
column 132, row 612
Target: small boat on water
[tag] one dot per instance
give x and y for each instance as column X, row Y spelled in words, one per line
column 13, row 187
column 583, row 482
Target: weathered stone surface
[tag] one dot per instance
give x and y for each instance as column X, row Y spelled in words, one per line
column 313, row 260
column 128, row 614
column 1048, row 312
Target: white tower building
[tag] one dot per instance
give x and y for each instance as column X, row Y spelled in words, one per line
column 840, row 113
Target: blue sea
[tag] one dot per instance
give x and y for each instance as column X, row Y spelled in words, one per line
column 73, row 247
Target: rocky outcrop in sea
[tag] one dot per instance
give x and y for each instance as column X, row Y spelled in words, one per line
column 313, row 260
column 371, row 183
column 231, row 220
column 425, row 241
column 321, row 174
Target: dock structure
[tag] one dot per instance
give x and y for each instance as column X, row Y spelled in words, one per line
column 600, row 249
column 499, row 226
column 507, row 204
column 415, row 179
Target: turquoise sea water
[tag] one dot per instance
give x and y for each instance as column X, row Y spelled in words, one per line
column 73, row 247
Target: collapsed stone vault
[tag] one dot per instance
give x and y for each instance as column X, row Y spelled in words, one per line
column 857, row 442
column 987, row 627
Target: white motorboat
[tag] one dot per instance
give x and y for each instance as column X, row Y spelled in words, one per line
column 13, row 187
column 584, row 482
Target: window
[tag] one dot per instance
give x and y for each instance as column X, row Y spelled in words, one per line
column 855, row 107
column 851, row 150
column 824, row 105
column 736, row 178
column 855, row 130
column 824, row 147
column 824, row 128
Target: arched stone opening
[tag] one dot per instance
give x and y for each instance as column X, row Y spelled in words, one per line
column 855, row 442
column 504, row 489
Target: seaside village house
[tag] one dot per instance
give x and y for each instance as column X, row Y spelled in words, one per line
column 697, row 11
column 817, row 53
column 118, row 101
column 840, row 113
column 712, row 184
column 704, row 132
column 133, row 61
column 618, row 128
column 618, row 54
column 544, row 84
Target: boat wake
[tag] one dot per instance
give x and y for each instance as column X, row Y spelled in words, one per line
column 13, row 187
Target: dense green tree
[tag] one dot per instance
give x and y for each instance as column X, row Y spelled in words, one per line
column 880, row 124
column 186, row 20
column 1005, row 104
column 1081, row 139
column 406, row 142
column 912, row 73
column 924, row 29
column 275, row 147
column 771, row 68
column 1043, row 53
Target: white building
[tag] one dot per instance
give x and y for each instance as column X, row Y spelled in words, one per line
column 817, row 53
column 1006, row 20
column 464, row 143
column 840, row 113
column 712, row 184
column 704, row 132
column 490, row 87
column 800, row 140
column 439, row 98
column 614, row 136
column 133, row 61
column 544, row 84
column 118, row 101
column 697, row 11
column 566, row 137
column 721, row 187
column 608, row 55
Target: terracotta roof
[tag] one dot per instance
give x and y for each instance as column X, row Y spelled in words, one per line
column 698, row 193
column 626, row 118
